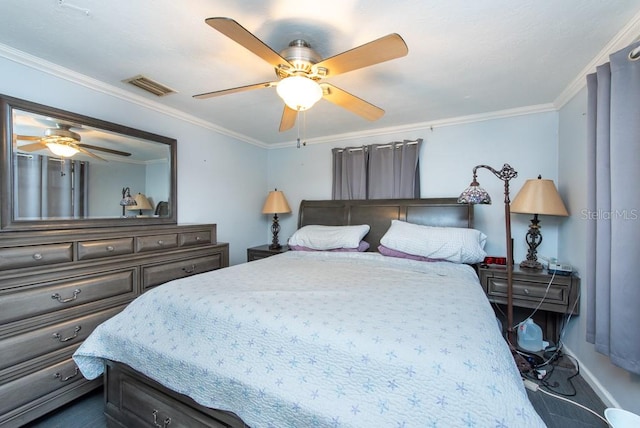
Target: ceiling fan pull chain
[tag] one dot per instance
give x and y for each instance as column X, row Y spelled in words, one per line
column 298, row 126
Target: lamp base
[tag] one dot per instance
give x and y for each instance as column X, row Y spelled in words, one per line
column 531, row 264
column 275, row 246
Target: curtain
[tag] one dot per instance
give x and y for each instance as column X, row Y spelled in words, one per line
column 613, row 208
column 350, row 173
column 50, row 187
column 377, row 171
column 393, row 170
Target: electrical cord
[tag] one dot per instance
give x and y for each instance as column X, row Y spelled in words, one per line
column 574, row 403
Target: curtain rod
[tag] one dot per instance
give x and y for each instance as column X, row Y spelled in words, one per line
column 384, row 146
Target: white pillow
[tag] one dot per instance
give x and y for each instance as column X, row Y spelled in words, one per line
column 320, row 237
column 454, row 244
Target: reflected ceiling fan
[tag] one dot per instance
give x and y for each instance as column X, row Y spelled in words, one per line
column 301, row 70
column 64, row 142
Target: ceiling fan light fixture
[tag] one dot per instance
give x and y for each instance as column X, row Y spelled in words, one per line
column 62, row 149
column 299, row 93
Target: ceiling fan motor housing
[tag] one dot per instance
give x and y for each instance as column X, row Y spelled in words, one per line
column 62, row 132
column 299, row 54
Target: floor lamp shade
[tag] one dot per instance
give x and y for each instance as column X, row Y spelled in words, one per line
column 275, row 204
column 537, row 196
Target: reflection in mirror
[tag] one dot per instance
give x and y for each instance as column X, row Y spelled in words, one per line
column 68, row 167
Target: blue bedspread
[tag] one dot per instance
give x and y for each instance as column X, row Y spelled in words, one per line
column 318, row 339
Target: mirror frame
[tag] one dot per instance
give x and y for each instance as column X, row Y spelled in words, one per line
column 7, row 220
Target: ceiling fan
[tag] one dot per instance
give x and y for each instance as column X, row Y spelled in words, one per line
column 300, row 70
column 64, row 142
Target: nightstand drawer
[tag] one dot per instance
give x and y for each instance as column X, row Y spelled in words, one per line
column 525, row 290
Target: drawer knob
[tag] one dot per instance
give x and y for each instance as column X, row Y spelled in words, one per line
column 526, row 291
column 66, row 339
column 67, row 378
column 110, row 248
column 197, row 238
column 160, row 242
column 189, row 269
column 165, row 423
column 59, row 298
column 37, row 256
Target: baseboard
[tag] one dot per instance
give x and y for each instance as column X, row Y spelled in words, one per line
column 593, row 382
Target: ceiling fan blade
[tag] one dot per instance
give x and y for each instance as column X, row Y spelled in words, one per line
column 380, row 50
column 243, row 37
column 234, row 90
column 350, row 102
column 33, row 147
column 27, row 138
column 103, row 149
column 289, row 117
column 87, row 152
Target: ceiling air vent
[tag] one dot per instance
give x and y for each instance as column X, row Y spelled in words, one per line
column 149, row 85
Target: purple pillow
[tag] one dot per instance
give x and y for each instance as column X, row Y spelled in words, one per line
column 386, row 251
column 363, row 246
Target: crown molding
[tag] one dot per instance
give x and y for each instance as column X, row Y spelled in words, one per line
column 60, row 72
column 627, row 35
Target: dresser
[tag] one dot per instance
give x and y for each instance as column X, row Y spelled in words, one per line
column 56, row 286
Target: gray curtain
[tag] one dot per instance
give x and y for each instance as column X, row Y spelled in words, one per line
column 393, row 170
column 350, row 173
column 613, row 208
column 49, row 187
column 377, row 171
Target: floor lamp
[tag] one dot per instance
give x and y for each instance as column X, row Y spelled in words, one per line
column 474, row 194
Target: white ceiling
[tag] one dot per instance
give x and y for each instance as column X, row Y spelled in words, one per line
column 466, row 58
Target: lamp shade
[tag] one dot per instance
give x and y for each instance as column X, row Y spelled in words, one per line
column 299, row 93
column 276, row 203
column 539, row 196
column 142, row 203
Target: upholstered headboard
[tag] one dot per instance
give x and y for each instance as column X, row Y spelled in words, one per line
column 378, row 213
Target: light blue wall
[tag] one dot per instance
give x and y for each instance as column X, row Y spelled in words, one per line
column 621, row 387
column 220, row 179
column 449, row 153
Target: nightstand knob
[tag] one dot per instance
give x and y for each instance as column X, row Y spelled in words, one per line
column 526, row 291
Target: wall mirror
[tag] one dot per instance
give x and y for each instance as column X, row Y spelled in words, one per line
column 65, row 170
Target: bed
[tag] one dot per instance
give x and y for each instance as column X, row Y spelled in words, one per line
column 316, row 339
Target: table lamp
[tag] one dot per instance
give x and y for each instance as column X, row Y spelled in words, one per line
column 275, row 204
column 537, row 196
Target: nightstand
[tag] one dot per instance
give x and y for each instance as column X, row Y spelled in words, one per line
column 263, row 251
column 528, row 290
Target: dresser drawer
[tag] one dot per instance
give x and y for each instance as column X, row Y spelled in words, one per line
column 23, row 303
column 143, row 406
column 28, row 388
column 35, row 255
column 104, row 248
column 201, row 237
column 156, row 242
column 159, row 274
column 22, row 347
